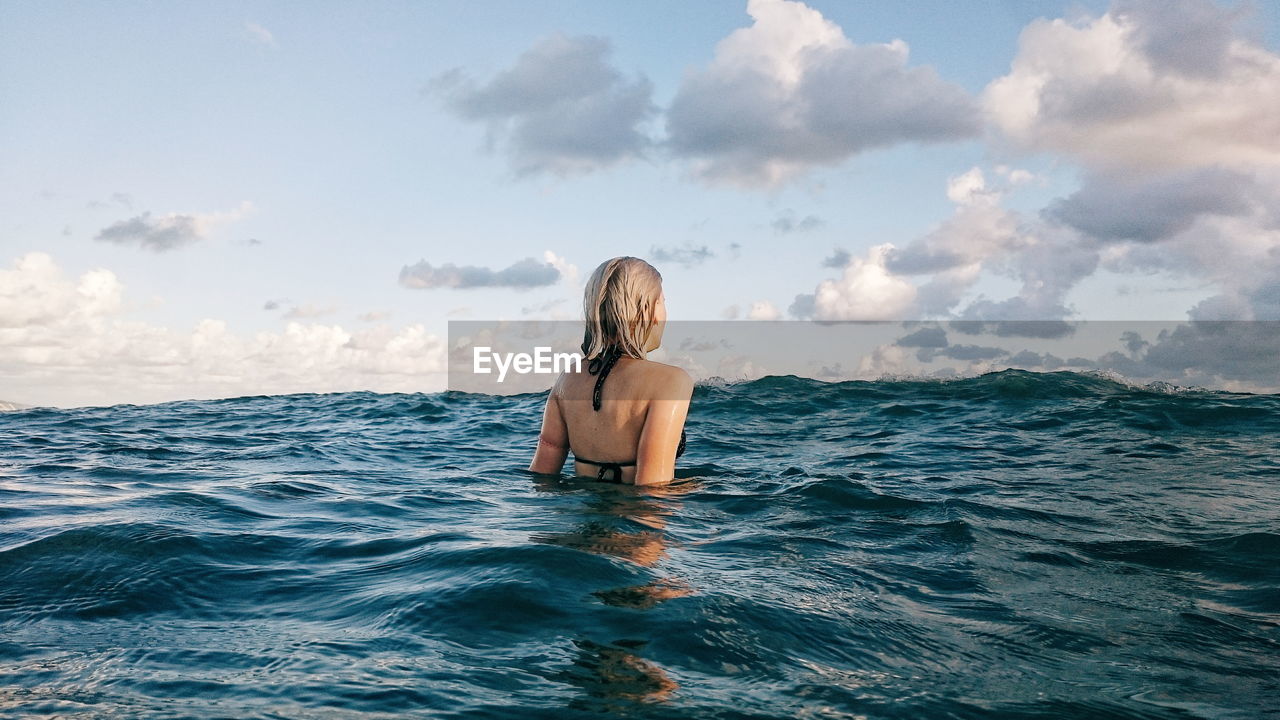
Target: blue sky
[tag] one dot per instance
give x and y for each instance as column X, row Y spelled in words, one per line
column 306, row 154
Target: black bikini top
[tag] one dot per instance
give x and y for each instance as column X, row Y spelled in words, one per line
column 600, row 365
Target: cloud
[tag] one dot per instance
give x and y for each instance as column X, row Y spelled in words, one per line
column 1049, row 264
column 1149, row 209
column 1049, row 260
column 1187, row 37
column 168, row 232
column 689, row 255
column 939, row 296
column 1167, row 106
column 979, row 229
column 865, row 291
column 739, row 368
column 787, row 223
column 969, row 189
column 374, row 316
column 791, row 93
column 1149, row 85
column 802, row 307
column 1018, row 176
column 1235, row 356
column 259, row 34
column 525, row 274
column 160, row 234
column 568, row 271
column 1205, row 353
column 763, row 310
column 883, row 361
column 1016, row 327
column 688, row 344
column 981, row 236
column 69, row 341
column 928, row 337
column 838, row 259
column 1237, row 253
column 968, row 352
column 35, row 294
column 561, row 109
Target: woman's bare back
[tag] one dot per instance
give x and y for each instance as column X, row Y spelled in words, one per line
column 637, row 394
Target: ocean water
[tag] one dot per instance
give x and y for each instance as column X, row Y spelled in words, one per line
column 1016, row 545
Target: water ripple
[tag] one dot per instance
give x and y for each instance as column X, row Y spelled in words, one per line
column 1016, row 545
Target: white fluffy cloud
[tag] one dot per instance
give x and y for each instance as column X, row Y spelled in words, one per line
column 980, row 228
column 1183, row 225
column 877, row 287
column 70, row 341
column 568, row 271
column 791, row 92
column 763, row 310
column 980, row 236
column 866, row 290
column 1171, row 110
column 1149, row 85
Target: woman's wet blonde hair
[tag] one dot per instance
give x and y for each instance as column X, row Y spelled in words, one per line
column 619, row 305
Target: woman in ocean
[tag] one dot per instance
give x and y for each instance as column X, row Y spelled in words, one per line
column 630, row 429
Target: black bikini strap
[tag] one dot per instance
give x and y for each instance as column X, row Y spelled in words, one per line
column 607, row 467
column 613, row 470
column 602, row 364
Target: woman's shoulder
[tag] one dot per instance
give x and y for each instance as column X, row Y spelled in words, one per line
column 671, row 376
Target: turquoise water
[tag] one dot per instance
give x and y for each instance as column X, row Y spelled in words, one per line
column 1017, row 545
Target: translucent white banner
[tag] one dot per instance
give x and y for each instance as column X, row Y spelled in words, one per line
column 509, row 357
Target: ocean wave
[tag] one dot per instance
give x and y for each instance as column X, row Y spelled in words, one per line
column 1010, row 545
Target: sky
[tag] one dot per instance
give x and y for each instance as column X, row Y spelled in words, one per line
column 216, row 199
